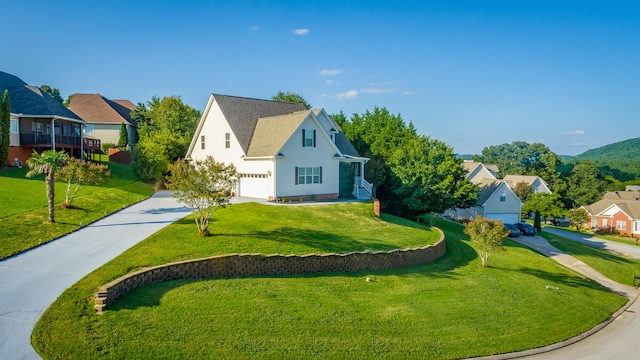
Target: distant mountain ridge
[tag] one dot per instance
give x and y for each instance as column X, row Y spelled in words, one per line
column 622, row 155
column 625, row 150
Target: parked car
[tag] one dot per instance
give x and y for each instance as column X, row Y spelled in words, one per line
column 561, row 222
column 513, row 230
column 526, row 229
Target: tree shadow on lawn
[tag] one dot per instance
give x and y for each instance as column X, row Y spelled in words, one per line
column 576, row 280
column 459, row 253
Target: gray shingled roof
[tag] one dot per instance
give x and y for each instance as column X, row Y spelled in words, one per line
column 243, row 114
column 487, row 187
column 30, row 100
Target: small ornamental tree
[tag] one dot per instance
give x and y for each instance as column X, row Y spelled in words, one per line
column 203, row 186
column 488, row 235
column 77, row 174
column 524, row 191
column 47, row 163
column 579, row 217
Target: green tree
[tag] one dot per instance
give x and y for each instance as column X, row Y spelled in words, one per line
column 55, row 93
column 413, row 174
column 291, row 98
column 488, row 235
column 203, row 186
column 523, row 190
column 579, row 217
column 432, row 178
column 522, row 158
column 585, row 185
column 68, row 101
column 5, row 126
column 536, row 221
column 166, row 127
column 124, row 135
column 47, row 163
column 548, row 205
column 77, row 174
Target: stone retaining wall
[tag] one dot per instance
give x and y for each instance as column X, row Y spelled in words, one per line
column 236, row 265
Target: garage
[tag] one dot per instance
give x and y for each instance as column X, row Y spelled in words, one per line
column 254, row 185
column 505, row 218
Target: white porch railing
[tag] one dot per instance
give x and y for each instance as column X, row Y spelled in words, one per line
column 362, row 184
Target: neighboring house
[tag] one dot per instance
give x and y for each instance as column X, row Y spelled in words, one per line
column 619, row 210
column 496, row 201
column 280, row 150
column 538, row 185
column 38, row 122
column 477, row 171
column 632, row 188
column 104, row 117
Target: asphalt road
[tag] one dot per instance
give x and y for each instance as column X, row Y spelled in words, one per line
column 619, row 339
column 31, row 281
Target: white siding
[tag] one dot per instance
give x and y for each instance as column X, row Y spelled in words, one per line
column 297, row 156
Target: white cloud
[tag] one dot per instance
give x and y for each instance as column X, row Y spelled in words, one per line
column 300, row 31
column 575, row 132
column 351, row 94
column 329, row 82
column 330, row 72
column 254, row 28
column 407, row 92
column 378, row 90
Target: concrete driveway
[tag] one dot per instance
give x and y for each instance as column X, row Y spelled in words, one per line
column 31, row 281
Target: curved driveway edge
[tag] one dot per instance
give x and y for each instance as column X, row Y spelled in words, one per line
column 616, row 338
column 32, row 280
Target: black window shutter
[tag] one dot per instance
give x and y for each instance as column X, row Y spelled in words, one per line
column 314, row 138
column 320, row 173
column 303, row 139
column 296, row 173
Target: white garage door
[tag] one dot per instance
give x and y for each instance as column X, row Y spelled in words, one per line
column 256, row 187
column 505, row 218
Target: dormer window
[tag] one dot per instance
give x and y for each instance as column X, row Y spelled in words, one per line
column 308, row 138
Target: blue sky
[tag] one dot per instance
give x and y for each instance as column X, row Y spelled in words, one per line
column 469, row 73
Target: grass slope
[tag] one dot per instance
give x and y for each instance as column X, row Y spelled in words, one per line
column 451, row 308
column 616, row 268
column 23, row 206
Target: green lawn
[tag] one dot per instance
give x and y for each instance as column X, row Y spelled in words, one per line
column 451, row 308
column 616, row 268
column 620, row 239
column 23, row 209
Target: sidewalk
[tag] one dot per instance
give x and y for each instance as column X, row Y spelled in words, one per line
column 31, row 281
column 541, row 245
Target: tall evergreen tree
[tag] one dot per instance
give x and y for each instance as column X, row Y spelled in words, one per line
column 124, row 135
column 5, row 125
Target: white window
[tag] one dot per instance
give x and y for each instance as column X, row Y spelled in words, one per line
column 503, row 196
column 605, row 223
column 202, row 142
column 14, row 126
column 88, row 129
column 227, row 140
column 621, row 225
column 309, row 175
